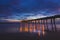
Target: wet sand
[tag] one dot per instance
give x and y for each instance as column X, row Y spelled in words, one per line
column 18, row 36
column 30, row 36
column 52, row 36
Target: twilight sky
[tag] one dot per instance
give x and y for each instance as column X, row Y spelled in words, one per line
column 28, row 9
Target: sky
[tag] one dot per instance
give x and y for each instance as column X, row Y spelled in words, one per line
column 14, row 10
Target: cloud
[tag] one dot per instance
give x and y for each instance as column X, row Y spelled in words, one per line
column 32, row 15
column 24, row 9
column 10, row 20
column 35, row 16
column 9, row 6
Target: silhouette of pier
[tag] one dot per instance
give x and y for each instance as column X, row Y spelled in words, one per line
column 40, row 24
column 35, row 29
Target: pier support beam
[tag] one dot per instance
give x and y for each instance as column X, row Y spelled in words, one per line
column 28, row 26
column 34, row 27
column 44, row 24
column 54, row 24
column 20, row 29
column 41, row 25
column 47, row 24
column 38, row 24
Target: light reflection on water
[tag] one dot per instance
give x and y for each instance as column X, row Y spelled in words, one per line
column 39, row 29
column 33, row 29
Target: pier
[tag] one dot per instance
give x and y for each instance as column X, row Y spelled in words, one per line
column 40, row 24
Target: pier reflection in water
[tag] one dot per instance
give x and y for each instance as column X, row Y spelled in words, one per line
column 40, row 26
column 48, row 27
column 32, row 29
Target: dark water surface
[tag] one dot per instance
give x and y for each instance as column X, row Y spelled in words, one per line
column 9, row 31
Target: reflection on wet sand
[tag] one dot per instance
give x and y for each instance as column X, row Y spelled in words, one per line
column 31, row 29
column 40, row 26
column 43, row 29
column 20, row 29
